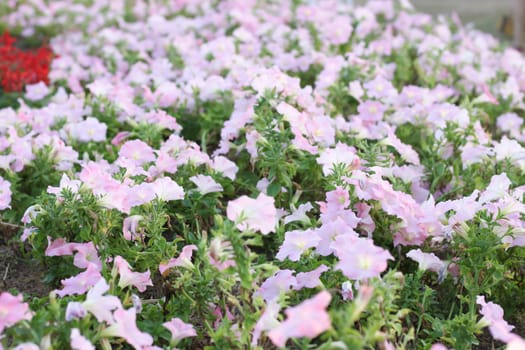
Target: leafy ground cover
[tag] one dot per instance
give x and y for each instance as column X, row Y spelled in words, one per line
column 258, row 175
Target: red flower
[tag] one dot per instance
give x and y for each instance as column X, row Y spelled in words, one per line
column 19, row 68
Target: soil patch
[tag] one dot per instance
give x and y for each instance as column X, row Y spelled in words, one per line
column 20, row 273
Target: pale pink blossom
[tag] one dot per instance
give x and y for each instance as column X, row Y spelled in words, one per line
column 75, row 310
column 179, row 329
column 130, row 226
column 12, row 310
column 438, row 347
column 65, row 183
column 267, row 321
column 362, row 259
column 79, row 342
column 426, row 261
column 257, row 214
column 137, row 151
column 221, row 254
column 497, row 188
column 5, row 194
column 88, row 130
column 313, row 310
column 139, row 280
column 59, row 247
column 310, row 279
column 184, row 259
column 225, row 166
column 86, row 253
column 80, row 283
column 168, row 190
column 299, row 214
column 125, row 327
column 296, row 243
column 493, row 315
column 206, row 184
column 341, row 154
column 281, row 282
column 101, row 305
column 38, row 91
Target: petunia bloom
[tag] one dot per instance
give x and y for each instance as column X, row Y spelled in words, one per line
column 79, row 342
column 125, row 327
column 206, row 184
column 308, row 319
column 139, row 280
column 99, row 304
column 12, row 310
column 179, row 329
column 183, row 260
column 426, row 261
column 297, row 242
column 493, row 315
column 80, row 283
column 361, row 259
column 257, row 214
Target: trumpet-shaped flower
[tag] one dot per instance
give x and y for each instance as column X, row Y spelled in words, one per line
column 179, row 329
column 296, row 243
column 308, row 319
column 79, row 342
column 361, row 259
column 80, row 283
column 206, row 184
column 184, row 259
column 99, row 304
column 257, row 214
column 125, row 327
column 139, row 280
column 12, row 310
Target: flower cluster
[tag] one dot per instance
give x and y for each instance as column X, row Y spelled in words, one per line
column 265, row 174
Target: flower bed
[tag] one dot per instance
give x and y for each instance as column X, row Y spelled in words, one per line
column 257, row 174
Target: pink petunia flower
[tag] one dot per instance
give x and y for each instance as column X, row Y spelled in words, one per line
column 59, row 247
column 299, row 214
column 80, row 283
column 139, row 280
column 361, row 259
column 426, row 261
column 297, row 242
column 206, row 184
column 75, row 310
column 86, row 254
column 88, row 130
column 184, row 259
column 12, row 310
column 493, row 315
column 310, row 279
column 5, row 194
column 225, row 166
column 99, row 304
column 295, row 325
column 257, row 214
column 137, row 151
column 281, row 282
column 79, row 342
column 267, row 321
column 168, row 190
column 38, row 91
column 179, row 329
column 341, row 154
column 130, row 226
column 125, row 327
